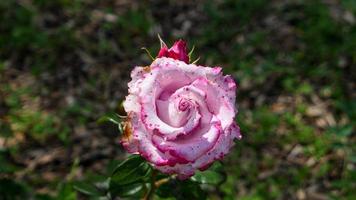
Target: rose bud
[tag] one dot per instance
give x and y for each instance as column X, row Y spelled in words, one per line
column 178, row 51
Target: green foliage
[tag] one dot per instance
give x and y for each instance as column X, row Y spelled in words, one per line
column 126, row 179
column 180, row 190
column 25, row 117
column 134, row 178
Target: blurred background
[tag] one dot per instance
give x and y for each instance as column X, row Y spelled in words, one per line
column 65, row 63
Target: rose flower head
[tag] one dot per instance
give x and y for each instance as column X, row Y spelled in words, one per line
column 181, row 116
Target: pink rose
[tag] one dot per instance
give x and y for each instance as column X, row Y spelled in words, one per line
column 181, row 117
column 178, row 51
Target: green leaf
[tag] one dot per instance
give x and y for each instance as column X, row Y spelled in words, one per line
column 87, row 189
column 129, row 177
column 111, row 166
column 214, row 176
column 181, row 190
column 103, row 185
column 131, row 170
column 130, row 190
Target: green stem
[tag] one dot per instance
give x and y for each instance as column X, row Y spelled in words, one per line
column 148, row 195
column 156, row 184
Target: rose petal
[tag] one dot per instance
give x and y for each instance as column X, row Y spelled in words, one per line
column 192, row 146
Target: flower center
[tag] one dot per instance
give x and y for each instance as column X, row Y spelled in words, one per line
column 184, row 104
